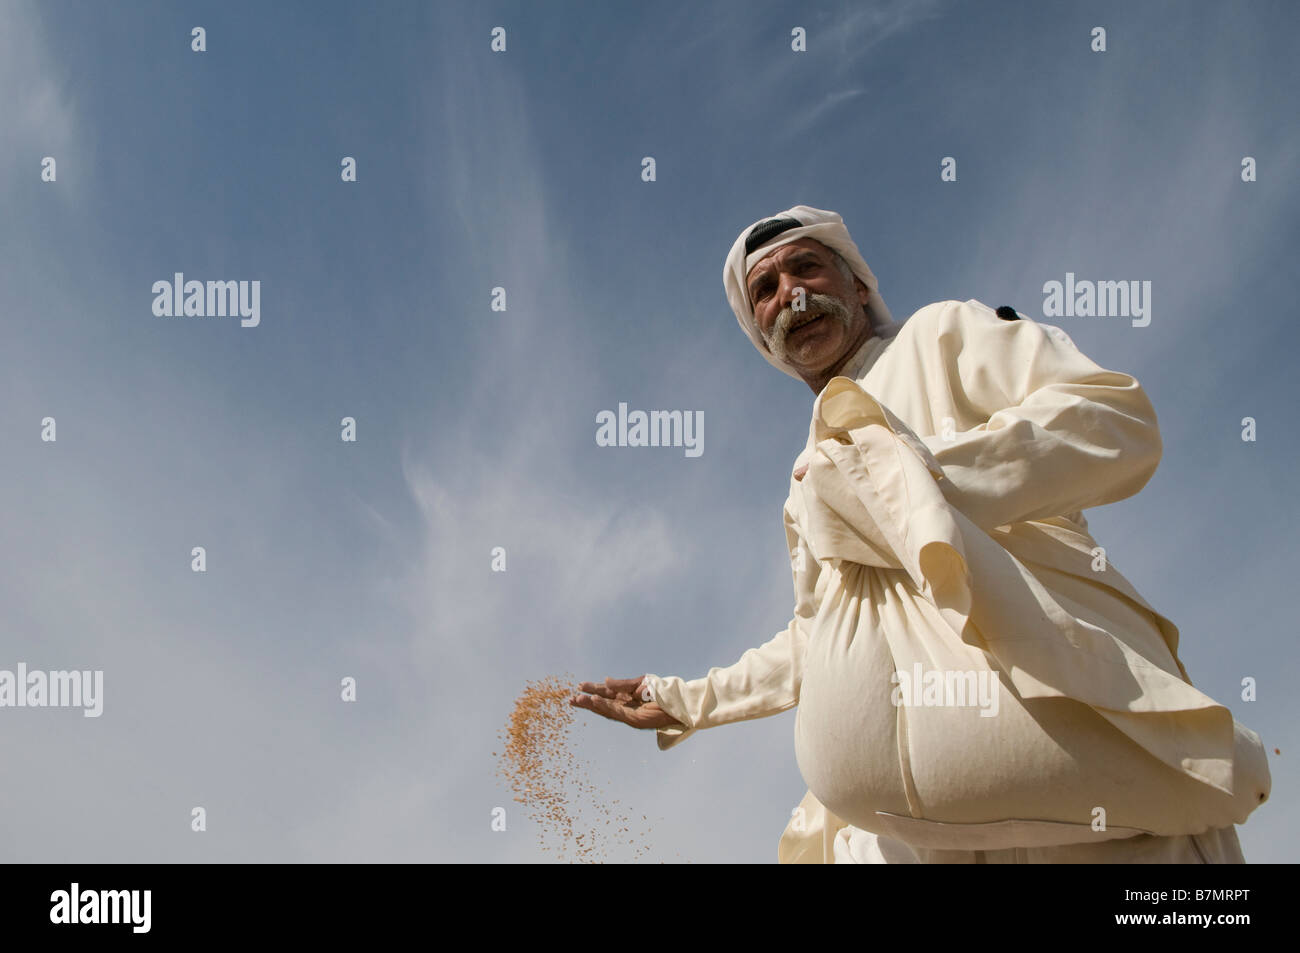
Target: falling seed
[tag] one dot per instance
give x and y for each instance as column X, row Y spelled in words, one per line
column 542, row 770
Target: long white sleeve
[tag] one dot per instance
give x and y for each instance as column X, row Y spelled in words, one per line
column 764, row 681
column 1061, row 434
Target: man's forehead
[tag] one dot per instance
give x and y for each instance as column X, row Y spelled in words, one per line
column 787, row 250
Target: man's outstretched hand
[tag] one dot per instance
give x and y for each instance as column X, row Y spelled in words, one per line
column 623, row 699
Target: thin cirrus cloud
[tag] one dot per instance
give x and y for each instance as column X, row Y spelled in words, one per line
column 36, row 108
column 820, row 113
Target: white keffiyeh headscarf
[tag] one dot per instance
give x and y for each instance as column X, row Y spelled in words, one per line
column 815, row 223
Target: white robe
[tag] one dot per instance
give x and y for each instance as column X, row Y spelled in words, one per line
column 940, row 524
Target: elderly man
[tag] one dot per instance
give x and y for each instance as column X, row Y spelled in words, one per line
column 975, row 681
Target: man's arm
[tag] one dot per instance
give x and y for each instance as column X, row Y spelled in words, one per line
column 1061, row 433
column 1058, row 434
column 764, row 681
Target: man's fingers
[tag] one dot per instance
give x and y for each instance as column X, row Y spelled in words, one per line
column 612, row 688
column 596, row 688
column 585, row 701
column 625, row 686
column 647, row 716
column 606, row 689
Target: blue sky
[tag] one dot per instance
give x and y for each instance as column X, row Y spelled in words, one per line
column 476, row 428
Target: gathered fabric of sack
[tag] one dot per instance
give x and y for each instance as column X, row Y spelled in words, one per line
column 939, row 529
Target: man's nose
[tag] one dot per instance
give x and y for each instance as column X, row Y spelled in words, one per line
column 790, row 287
column 787, row 288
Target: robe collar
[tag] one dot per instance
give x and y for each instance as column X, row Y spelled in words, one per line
column 864, row 358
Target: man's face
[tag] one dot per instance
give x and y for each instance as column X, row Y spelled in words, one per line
column 834, row 321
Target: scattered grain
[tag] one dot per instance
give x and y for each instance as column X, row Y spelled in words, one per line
column 539, row 764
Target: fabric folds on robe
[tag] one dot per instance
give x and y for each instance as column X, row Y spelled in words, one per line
column 940, row 523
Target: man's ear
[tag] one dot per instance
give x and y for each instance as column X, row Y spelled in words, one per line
column 864, row 293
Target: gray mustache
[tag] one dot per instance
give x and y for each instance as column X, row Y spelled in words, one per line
column 818, row 305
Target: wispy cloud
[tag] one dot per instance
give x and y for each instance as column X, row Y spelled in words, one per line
column 38, row 114
column 866, row 26
column 809, row 120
